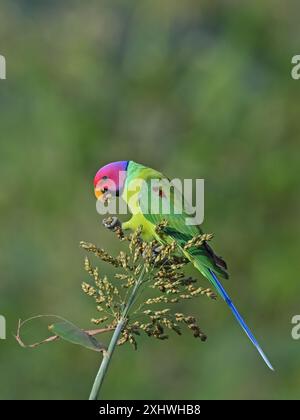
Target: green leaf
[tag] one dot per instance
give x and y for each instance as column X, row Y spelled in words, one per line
column 69, row 332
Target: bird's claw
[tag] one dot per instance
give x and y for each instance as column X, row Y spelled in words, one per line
column 111, row 223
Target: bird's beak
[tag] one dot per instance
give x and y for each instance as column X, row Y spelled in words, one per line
column 104, row 197
column 99, row 195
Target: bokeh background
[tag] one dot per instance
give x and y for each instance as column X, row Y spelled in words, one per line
column 196, row 90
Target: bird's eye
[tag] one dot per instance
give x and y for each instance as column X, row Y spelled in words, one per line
column 104, row 190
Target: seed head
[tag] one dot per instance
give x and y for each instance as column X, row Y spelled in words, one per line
column 164, row 280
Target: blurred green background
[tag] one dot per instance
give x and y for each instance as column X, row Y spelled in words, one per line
column 196, row 91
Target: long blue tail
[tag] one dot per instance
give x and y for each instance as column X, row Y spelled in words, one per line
column 238, row 317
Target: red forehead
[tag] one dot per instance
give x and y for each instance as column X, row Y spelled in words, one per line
column 111, row 171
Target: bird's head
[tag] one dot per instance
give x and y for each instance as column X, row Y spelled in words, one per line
column 109, row 181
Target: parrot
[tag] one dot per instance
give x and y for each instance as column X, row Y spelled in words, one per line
column 116, row 179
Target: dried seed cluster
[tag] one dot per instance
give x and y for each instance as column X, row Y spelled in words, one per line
column 162, row 268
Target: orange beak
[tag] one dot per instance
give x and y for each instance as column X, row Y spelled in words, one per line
column 99, row 194
column 104, row 197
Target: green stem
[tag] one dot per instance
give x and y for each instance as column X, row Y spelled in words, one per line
column 107, row 355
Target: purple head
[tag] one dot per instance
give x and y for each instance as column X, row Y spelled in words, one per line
column 110, row 179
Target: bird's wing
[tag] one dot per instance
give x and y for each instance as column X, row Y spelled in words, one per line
column 158, row 202
column 202, row 257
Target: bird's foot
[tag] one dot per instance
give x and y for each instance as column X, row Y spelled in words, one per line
column 113, row 223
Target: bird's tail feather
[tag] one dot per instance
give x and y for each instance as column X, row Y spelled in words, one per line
column 238, row 317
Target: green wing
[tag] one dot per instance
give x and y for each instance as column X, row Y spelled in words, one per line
column 158, row 203
column 203, row 258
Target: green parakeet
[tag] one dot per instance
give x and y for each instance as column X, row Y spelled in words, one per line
column 140, row 186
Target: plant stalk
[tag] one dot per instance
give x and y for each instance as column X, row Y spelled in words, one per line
column 107, row 355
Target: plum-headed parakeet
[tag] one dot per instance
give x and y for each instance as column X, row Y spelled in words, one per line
column 129, row 179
